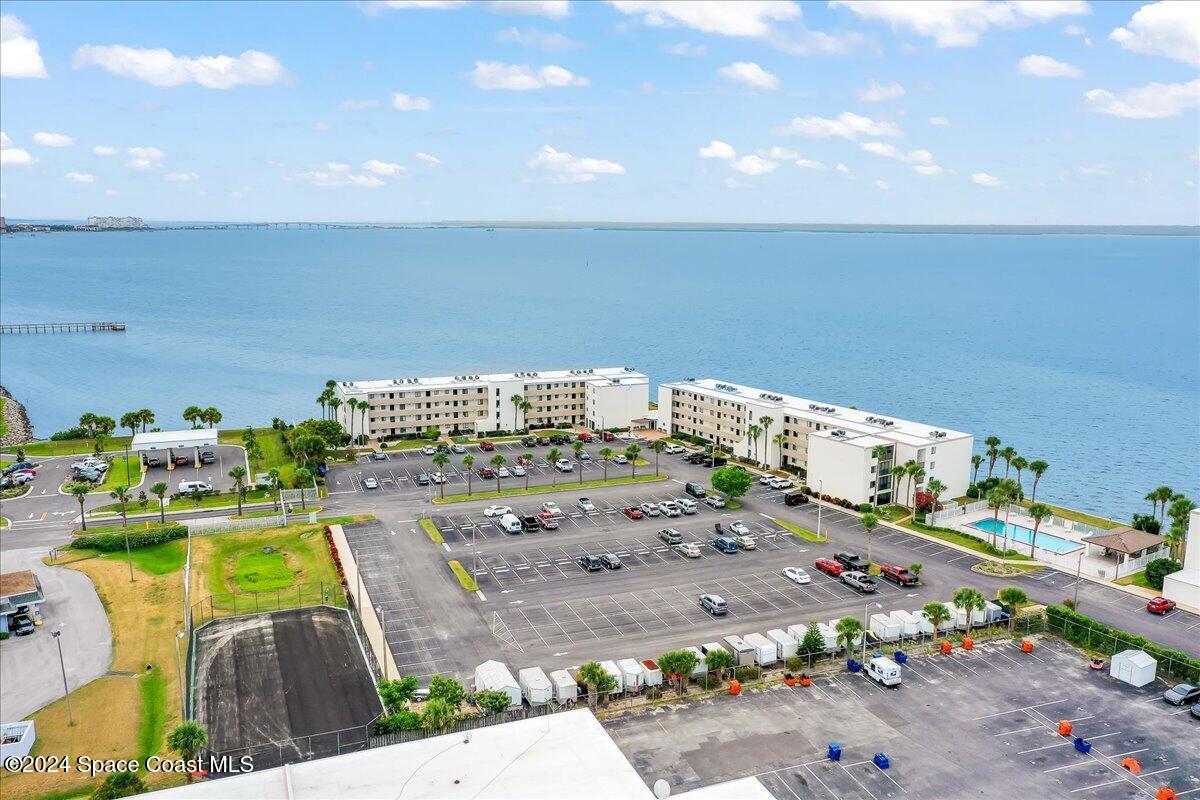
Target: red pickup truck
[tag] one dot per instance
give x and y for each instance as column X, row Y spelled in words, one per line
column 899, row 575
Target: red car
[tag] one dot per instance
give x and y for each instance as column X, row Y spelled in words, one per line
column 1160, row 605
column 608, row 437
column 632, row 513
column 585, row 437
column 547, row 521
column 487, row 446
column 830, row 567
column 486, row 472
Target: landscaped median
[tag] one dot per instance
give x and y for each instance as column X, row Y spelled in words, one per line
column 803, row 533
column 543, row 489
column 464, row 578
column 431, row 531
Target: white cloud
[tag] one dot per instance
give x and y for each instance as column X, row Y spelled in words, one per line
column 80, row 177
column 1040, row 66
column 47, row 139
column 959, row 23
column 495, row 75
column 144, row 158
column 181, row 177
column 751, row 74
column 877, row 92
column 334, row 179
column 939, row 121
column 566, row 168
column 550, row 42
column 556, row 9
column 805, row 163
column 1152, row 101
column 160, row 67
column 1075, row 30
column 12, row 156
column 4, row 140
column 406, row 102
column 718, row 149
column 337, row 166
column 1093, row 170
column 882, row 185
column 754, row 165
column 432, row 161
column 983, row 179
column 356, row 105
column 20, row 56
column 927, row 169
column 726, row 17
column 777, row 153
column 685, row 49
column 842, row 168
column 386, row 168
column 105, row 150
column 847, row 125
column 1170, row 29
column 891, row 151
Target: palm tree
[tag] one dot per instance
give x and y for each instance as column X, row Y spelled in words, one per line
column 302, row 477
column 273, row 473
column 848, row 630
column 437, row 715
column 935, row 488
column 898, row 473
column 353, row 404
column 631, row 453
column 1019, row 463
column 937, row 614
column 1038, row 468
column 606, row 454
column 131, row 420
column 122, row 496
column 780, row 440
column 976, row 461
column 1008, row 454
column 192, row 413
column 80, row 492
column 766, row 426
column 993, row 445
column 995, row 501
column 211, row 416
column 497, row 462
column 160, row 490
column 517, row 400
column 870, row 522
column 146, row 416
column 970, row 600
column 468, row 462
column 577, row 446
column 1165, row 495
column 363, row 407
column 334, row 404
column 915, row 473
column 186, row 739
column 439, row 461
column 238, row 474
column 1039, row 512
column 1009, row 489
column 597, row 679
column 1013, row 598
column 553, row 455
column 658, row 446
column 880, row 453
column 1152, row 496
column 752, row 433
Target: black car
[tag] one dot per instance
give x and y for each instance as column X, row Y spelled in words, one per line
column 208, row 457
column 610, row 561
column 528, row 441
column 851, row 561
column 11, row 468
column 530, row 524
column 443, row 448
column 153, row 461
column 22, row 625
column 795, row 499
column 559, row 440
column 695, row 490
column 591, row 563
column 694, row 458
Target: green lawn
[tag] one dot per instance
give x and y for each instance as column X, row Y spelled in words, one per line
column 262, row 572
column 237, row 561
column 803, row 533
column 569, row 486
column 431, row 531
column 158, row 559
column 406, row 444
column 964, row 540
column 270, row 441
column 1136, row 579
column 464, row 578
column 1079, row 516
column 892, row 513
column 70, row 447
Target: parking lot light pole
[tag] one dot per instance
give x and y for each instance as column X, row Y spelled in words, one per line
column 866, row 627
column 820, row 491
column 63, row 666
column 1078, row 575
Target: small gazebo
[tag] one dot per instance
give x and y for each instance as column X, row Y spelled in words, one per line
column 1127, row 548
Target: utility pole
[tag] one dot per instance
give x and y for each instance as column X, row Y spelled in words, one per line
column 63, row 666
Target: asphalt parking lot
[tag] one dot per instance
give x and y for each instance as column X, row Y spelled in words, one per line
column 972, row 724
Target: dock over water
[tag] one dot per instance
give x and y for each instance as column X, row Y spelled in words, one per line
column 63, row 327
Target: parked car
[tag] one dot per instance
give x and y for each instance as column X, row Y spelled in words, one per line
column 496, row 511
column 650, row 509
column 1160, row 605
column 547, row 521
column 688, row 550
column 620, row 458
column 687, row 505
column 746, row 542
column 22, row 625
column 584, row 455
column 586, row 437
column 585, row 505
column 443, row 448
column 181, row 461
column 632, row 513
column 781, row 483
column 829, row 566
column 670, row 536
column 740, row 528
column 370, row 483
column 530, row 523
column 726, row 544
column 608, row 436
column 898, row 575
column 551, row 507
column 208, row 457
column 486, row 473
column 795, row 499
column 796, row 575
column 503, row 472
column 518, row 471
column 859, row 580
column 851, row 561
column 591, row 563
column 672, row 449
column 458, row 448
column 16, row 465
column 694, row 458
column 714, row 604
column 543, row 441
column 1182, row 694
column 528, row 441
column 610, row 561
column 714, row 501
column 695, row 490
column 428, row 450
column 558, row 439
column 192, row 488
column 374, row 457
column 423, row 479
column 765, row 479
column 487, row 446
column 669, row 509
column 437, row 477
column 563, row 465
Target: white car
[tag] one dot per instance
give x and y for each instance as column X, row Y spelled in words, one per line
column 438, row 477
column 672, row 449
column 620, row 459
column 626, row 437
column 428, row 450
column 781, row 483
column 551, row 507
column 765, row 480
column 370, row 483
column 518, row 471
column 688, row 549
column 739, row 528
column 457, row 448
column 669, row 509
column 585, row 505
column 563, row 465
column 796, row 575
column 746, row 542
column 650, row 509
column 714, row 501
column 496, row 511
column 503, row 472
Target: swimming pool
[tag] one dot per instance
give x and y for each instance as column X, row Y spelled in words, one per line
column 1023, row 535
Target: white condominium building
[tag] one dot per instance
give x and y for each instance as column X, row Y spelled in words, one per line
column 834, row 445
column 598, row 398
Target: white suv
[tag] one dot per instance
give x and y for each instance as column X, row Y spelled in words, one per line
column 669, row 509
column 563, row 465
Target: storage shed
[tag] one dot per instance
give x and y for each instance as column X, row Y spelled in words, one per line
column 632, row 672
column 701, row 667
column 883, row 626
column 566, row 690
column 1135, row 667
column 612, row 669
column 787, row 644
column 535, row 686
column 494, row 676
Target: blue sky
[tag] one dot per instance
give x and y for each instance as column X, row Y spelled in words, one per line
column 985, row 112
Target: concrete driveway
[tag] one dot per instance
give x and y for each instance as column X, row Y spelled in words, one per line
column 29, row 664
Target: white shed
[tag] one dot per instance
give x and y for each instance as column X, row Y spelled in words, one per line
column 565, row 687
column 1135, row 667
column 535, row 686
column 494, row 676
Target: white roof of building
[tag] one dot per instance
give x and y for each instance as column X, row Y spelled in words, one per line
column 1139, row 658
column 600, row 376
column 532, row 758
column 739, row 789
column 852, row 420
column 493, row 675
column 162, row 440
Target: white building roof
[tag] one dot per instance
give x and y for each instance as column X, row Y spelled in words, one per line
column 1139, row 658
column 162, row 440
column 595, row 376
column 532, row 758
column 852, row 420
column 493, row 675
column 739, row 789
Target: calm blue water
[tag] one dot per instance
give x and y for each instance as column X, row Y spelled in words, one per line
column 1023, row 535
column 1081, row 350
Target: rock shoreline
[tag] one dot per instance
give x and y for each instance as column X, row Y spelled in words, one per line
column 16, row 422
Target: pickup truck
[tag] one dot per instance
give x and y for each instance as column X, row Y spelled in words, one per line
column 898, row 575
column 851, row 561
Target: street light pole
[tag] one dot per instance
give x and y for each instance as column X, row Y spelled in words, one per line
column 820, row 491
column 179, row 674
column 1078, row 573
column 63, row 666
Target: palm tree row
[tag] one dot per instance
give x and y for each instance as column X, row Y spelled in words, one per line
column 1012, row 461
column 196, row 415
column 133, row 419
column 1166, row 502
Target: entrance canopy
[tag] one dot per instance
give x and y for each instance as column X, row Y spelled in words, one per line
column 168, row 440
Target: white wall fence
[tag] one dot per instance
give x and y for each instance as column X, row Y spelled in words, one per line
column 1132, row 565
column 951, row 509
column 208, row 525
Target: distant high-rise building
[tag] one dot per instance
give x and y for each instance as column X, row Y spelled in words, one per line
column 115, row 222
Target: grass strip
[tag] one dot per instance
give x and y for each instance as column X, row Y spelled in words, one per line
column 803, row 533
column 432, row 532
column 152, row 724
column 562, row 487
column 1078, row 516
column 464, row 578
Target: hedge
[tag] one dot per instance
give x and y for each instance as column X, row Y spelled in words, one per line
column 138, row 537
column 1085, row 631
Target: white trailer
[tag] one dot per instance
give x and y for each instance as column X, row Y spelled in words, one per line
column 743, row 654
column 612, row 669
column 958, row 616
column 992, row 612
column 632, row 671
column 909, row 624
column 701, row 668
column 566, row 690
column 495, row 677
column 884, row 627
column 536, row 688
column 651, row 674
column 766, row 651
column 829, row 634
column 786, row 644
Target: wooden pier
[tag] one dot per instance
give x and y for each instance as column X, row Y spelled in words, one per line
column 63, row 327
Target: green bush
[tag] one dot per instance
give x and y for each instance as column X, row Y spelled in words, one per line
column 1160, row 568
column 138, row 537
column 1075, row 628
column 748, row 674
column 794, row 664
column 400, row 721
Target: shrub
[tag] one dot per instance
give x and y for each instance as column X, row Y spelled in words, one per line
column 1147, row 523
column 708, row 682
column 1087, row 632
column 491, row 701
column 1160, row 568
column 925, row 502
column 396, row 693
column 403, row 720
column 794, row 664
column 140, row 537
column 69, row 433
column 747, row 674
column 119, row 784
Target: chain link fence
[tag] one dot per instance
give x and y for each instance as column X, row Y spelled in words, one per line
column 288, row 751
column 470, row 724
column 235, row 604
column 1101, row 639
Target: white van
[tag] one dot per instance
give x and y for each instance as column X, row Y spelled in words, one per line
column 884, row 671
column 686, row 505
column 193, row 487
column 510, row 523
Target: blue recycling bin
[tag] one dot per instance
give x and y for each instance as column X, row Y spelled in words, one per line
column 1081, row 745
column 881, row 761
column 900, row 657
column 853, row 665
column 835, row 752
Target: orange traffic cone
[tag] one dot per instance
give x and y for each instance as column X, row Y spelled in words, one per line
column 1165, row 793
column 1026, row 646
column 968, row 643
column 1132, row 764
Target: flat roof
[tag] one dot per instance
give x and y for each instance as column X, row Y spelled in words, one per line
column 162, row 440
column 15, row 583
column 853, row 420
column 595, row 376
